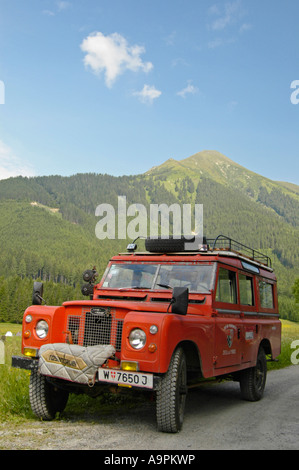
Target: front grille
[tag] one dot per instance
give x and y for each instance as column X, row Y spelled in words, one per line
column 96, row 325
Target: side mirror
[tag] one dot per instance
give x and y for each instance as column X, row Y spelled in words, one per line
column 37, row 295
column 179, row 301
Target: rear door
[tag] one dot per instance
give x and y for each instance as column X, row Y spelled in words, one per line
column 249, row 314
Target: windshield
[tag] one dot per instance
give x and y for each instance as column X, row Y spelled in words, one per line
column 198, row 278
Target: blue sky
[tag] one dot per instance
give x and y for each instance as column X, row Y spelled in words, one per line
column 120, row 86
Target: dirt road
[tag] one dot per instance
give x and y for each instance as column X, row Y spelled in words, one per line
column 215, row 418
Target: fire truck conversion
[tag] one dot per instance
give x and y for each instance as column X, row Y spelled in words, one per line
column 159, row 321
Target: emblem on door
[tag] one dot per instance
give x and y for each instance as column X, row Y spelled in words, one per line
column 230, row 331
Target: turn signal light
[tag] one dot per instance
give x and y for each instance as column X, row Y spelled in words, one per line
column 128, row 365
column 30, row 352
column 152, row 347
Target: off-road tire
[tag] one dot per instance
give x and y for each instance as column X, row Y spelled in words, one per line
column 45, row 399
column 253, row 380
column 168, row 245
column 171, row 394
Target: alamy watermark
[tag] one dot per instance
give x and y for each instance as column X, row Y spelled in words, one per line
column 2, row 92
column 136, row 221
column 295, row 94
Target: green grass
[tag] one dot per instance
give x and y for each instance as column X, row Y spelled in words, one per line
column 290, row 333
column 13, row 327
column 14, row 383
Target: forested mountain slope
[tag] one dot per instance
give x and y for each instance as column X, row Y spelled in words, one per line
column 47, row 228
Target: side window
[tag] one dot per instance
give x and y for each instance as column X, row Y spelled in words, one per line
column 246, row 290
column 226, row 287
column 266, row 294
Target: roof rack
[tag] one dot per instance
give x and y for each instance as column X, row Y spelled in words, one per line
column 222, row 242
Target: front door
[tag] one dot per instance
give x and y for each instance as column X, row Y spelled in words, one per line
column 228, row 324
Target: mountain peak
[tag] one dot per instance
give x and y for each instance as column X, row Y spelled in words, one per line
column 208, row 163
column 208, row 158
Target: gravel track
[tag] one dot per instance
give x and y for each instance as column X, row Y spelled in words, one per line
column 215, row 419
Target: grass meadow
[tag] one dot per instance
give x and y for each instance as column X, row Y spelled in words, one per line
column 14, row 383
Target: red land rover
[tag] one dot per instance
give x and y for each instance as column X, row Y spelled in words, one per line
column 159, row 321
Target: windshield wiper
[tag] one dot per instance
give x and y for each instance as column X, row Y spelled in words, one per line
column 164, row 285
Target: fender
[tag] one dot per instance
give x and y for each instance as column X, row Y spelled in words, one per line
column 172, row 330
column 55, row 318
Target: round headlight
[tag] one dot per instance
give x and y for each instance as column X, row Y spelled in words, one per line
column 137, row 338
column 28, row 319
column 42, row 329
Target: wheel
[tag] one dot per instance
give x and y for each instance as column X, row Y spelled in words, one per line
column 45, row 399
column 171, row 395
column 253, row 380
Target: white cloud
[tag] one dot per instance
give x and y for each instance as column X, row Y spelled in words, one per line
column 218, row 42
column 179, row 61
column 189, row 89
column 48, row 13
column 10, row 165
column 223, row 18
column 170, row 39
column 62, row 5
column 148, row 94
column 214, row 10
column 245, row 27
column 232, row 105
column 112, row 55
column 215, row 43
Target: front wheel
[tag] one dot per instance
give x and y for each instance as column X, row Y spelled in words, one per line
column 171, row 395
column 45, row 399
column 253, row 380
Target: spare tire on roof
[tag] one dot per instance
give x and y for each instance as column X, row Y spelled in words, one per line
column 167, row 245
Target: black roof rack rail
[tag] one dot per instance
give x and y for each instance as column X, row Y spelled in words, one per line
column 226, row 243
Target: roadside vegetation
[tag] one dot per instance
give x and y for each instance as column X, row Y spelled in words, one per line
column 14, row 383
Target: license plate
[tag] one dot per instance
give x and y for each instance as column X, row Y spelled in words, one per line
column 133, row 379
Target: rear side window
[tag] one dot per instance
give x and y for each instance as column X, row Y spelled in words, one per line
column 266, row 294
column 246, row 290
column 226, row 286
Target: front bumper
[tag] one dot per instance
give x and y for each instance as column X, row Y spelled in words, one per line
column 31, row 364
column 22, row 362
